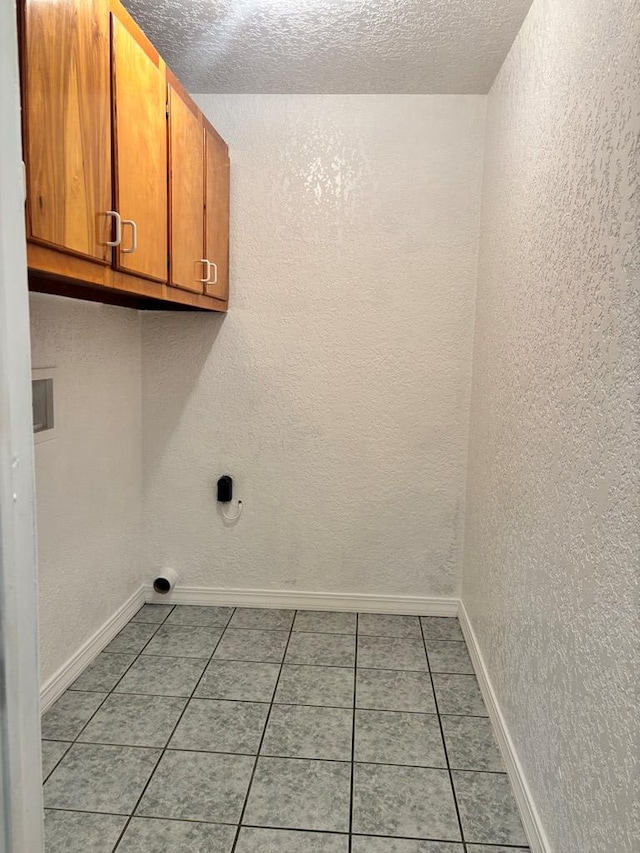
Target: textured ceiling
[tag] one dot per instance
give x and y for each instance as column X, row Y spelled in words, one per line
column 333, row 46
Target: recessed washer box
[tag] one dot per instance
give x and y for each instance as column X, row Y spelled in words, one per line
column 45, row 420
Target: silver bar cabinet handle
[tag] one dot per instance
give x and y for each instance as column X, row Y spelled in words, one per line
column 215, row 271
column 117, row 237
column 134, row 236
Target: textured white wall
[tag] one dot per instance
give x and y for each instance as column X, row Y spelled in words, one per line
column 89, row 478
column 336, row 391
column 552, row 543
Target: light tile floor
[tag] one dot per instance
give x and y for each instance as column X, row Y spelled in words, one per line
column 221, row 730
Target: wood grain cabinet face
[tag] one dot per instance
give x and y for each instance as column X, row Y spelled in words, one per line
column 67, row 119
column 111, row 136
column 186, row 182
column 216, row 213
column 140, row 145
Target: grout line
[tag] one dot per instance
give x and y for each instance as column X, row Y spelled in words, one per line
column 142, row 622
column 265, row 702
column 254, row 630
column 55, row 766
column 264, row 731
column 290, row 829
column 326, row 634
column 277, row 663
column 164, row 750
column 411, row 638
column 490, row 847
column 167, row 624
column 227, row 624
column 327, row 665
column 353, row 737
column 444, row 745
column 274, row 701
column 291, row 757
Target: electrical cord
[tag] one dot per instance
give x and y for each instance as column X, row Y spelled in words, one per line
column 233, row 517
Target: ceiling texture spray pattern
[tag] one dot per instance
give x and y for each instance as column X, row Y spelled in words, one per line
column 333, row 46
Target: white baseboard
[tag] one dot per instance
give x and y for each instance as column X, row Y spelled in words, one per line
column 290, row 599
column 536, row 836
column 55, row 686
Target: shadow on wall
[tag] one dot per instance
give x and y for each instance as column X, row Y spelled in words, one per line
column 168, row 391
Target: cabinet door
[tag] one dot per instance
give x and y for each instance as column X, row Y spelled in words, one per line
column 186, row 193
column 140, row 148
column 216, row 213
column 67, row 124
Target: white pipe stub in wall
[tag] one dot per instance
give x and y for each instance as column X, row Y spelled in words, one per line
column 165, row 581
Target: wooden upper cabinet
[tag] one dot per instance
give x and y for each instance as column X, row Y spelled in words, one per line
column 127, row 183
column 216, row 213
column 140, row 146
column 186, row 182
column 67, row 124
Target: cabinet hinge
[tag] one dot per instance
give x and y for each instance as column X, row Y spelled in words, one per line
column 166, row 109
